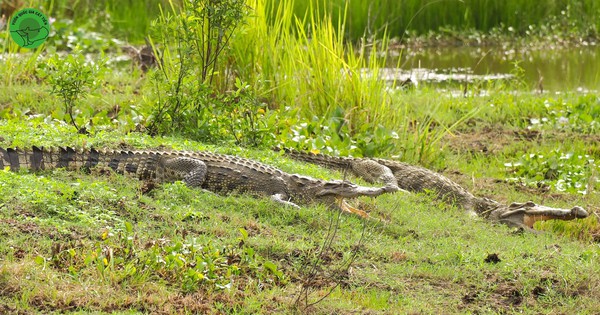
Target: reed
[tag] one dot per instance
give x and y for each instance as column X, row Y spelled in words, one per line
column 366, row 17
column 126, row 19
column 311, row 68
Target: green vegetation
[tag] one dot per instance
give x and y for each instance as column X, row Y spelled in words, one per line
column 71, row 79
column 102, row 243
column 456, row 18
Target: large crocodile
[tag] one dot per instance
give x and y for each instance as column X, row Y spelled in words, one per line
column 402, row 176
column 217, row 173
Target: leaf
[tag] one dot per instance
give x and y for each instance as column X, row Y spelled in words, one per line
column 244, row 233
column 271, row 266
column 128, row 227
column 39, row 260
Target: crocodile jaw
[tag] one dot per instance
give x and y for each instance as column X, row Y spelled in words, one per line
column 346, row 189
column 527, row 213
column 332, row 193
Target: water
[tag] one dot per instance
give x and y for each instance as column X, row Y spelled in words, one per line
column 564, row 69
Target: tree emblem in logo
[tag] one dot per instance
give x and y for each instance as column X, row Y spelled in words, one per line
column 29, row 28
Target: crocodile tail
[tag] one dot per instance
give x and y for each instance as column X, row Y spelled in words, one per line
column 10, row 158
column 331, row 162
column 39, row 158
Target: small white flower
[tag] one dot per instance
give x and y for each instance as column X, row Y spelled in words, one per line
column 563, row 120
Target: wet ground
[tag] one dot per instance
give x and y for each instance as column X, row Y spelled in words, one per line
column 559, row 69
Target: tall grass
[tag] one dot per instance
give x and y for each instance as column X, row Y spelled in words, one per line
column 311, row 68
column 366, row 17
column 305, row 67
column 127, row 19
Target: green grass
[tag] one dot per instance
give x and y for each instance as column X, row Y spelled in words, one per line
column 288, row 63
column 59, row 226
column 101, row 243
column 368, row 18
column 126, row 20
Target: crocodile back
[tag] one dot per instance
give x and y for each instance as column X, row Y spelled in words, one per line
column 328, row 161
column 140, row 164
column 224, row 173
column 418, row 179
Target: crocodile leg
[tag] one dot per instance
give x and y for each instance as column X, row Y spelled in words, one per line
column 281, row 199
column 191, row 171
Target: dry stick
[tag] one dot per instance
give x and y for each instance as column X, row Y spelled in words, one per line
column 313, row 270
column 326, row 246
column 354, row 254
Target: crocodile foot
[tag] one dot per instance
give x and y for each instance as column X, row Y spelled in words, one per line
column 346, row 207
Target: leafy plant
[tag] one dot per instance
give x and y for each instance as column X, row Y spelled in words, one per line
column 568, row 172
column 72, row 78
column 580, row 116
column 65, row 35
column 194, row 36
column 249, row 122
column 119, row 256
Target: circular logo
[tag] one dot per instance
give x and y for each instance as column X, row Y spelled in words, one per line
column 29, row 28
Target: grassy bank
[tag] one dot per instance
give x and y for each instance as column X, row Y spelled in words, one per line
column 104, row 243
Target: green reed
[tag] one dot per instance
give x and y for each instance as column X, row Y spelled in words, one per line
column 366, row 17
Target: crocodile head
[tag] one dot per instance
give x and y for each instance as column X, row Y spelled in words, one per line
column 527, row 213
column 336, row 192
column 346, row 189
column 332, row 193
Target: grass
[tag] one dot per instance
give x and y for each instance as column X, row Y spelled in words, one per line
column 128, row 20
column 299, row 61
column 59, row 227
column 103, row 243
column 367, row 18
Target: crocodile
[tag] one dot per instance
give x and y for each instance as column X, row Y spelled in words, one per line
column 399, row 176
column 217, row 173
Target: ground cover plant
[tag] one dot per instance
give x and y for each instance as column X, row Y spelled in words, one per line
column 100, row 242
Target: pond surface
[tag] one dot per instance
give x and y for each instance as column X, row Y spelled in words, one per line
column 564, row 69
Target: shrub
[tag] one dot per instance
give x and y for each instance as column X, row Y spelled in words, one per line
column 72, row 78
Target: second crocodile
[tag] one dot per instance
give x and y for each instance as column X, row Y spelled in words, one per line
column 402, row 176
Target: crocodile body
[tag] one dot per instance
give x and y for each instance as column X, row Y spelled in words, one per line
column 402, row 176
column 217, row 173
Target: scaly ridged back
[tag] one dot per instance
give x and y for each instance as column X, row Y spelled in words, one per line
column 141, row 164
column 328, row 161
column 409, row 177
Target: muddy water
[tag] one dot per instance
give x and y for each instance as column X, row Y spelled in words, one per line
column 565, row 69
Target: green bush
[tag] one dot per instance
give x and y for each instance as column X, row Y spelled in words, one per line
column 192, row 93
column 72, row 78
